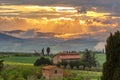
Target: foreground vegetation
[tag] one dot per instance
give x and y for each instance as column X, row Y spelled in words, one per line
column 20, row 72
column 30, row 72
column 86, row 75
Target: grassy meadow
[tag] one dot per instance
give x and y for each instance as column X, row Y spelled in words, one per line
column 101, row 58
column 28, row 61
column 87, row 74
column 20, row 59
column 31, row 59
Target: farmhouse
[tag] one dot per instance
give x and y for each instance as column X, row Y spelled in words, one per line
column 65, row 56
column 52, row 72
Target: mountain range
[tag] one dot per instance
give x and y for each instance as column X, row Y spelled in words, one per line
column 16, row 44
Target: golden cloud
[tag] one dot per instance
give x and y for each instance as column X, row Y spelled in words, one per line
column 34, row 8
column 68, row 27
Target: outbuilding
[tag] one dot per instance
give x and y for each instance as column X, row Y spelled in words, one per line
column 65, row 56
column 52, row 72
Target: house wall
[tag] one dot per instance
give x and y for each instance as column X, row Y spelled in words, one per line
column 58, row 75
column 50, row 74
column 68, row 60
column 56, row 59
column 46, row 74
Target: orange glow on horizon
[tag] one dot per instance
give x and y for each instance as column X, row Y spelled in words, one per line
column 54, row 19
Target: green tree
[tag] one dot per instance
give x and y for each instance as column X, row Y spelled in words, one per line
column 20, row 72
column 48, row 51
column 42, row 61
column 1, row 64
column 88, row 59
column 111, row 68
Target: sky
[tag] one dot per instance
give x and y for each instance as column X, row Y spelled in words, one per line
column 66, row 19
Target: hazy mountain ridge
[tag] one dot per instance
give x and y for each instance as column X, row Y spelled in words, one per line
column 10, row 43
column 13, row 31
column 5, row 37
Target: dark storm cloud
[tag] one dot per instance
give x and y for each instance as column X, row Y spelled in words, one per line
column 27, row 2
column 69, row 2
column 40, row 34
column 103, row 5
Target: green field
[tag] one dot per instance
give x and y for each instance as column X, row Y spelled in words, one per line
column 20, row 59
column 87, row 74
column 101, row 58
column 1, row 78
column 31, row 59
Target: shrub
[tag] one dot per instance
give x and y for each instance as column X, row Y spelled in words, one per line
column 42, row 61
column 20, row 72
column 1, row 65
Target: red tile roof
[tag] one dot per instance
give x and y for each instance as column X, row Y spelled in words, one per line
column 69, row 56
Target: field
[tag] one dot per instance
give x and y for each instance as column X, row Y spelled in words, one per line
column 87, row 74
column 20, row 60
column 101, row 59
column 29, row 61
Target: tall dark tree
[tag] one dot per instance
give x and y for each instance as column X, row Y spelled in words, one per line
column 111, row 68
column 1, row 64
column 48, row 51
column 88, row 59
column 43, row 51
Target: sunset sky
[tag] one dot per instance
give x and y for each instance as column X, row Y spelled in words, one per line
column 66, row 19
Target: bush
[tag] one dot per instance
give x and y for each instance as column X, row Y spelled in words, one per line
column 67, row 73
column 20, row 72
column 70, row 64
column 42, row 61
column 1, row 65
column 81, row 67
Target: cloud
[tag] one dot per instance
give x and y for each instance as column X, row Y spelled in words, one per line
column 28, row 34
column 14, row 32
column 100, row 46
column 44, row 34
column 67, row 19
column 14, row 23
column 64, row 27
column 111, row 6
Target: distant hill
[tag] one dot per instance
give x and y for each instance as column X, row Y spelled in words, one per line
column 10, row 43
column 14, row 31
column 5, row 37
column 82, row 40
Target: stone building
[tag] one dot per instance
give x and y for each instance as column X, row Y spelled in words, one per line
column 65, row 56
column 52, row 72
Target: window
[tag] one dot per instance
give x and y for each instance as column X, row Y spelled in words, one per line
column 55, row 71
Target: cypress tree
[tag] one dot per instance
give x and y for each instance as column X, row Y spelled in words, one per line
column 111, row 68
column 48, row 51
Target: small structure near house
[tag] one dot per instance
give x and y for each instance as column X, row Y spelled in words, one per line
column 65, row 56
column 52, row 72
